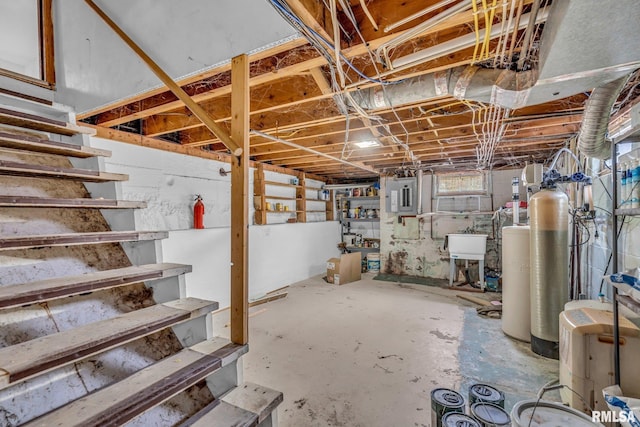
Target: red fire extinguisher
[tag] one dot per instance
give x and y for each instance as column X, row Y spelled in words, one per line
column 198, row 213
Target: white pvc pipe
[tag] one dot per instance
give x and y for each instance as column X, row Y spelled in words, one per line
column 417, row 15
column 457, row 44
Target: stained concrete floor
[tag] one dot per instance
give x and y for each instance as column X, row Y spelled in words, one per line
column 369, row 353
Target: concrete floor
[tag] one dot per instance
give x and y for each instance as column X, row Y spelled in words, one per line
column 369, row 353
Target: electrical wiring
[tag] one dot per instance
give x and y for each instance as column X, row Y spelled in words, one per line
column 331, row 50
column 364, row 7
column 487, row 26
column 476, row 25
column 504, row 32
column 336, row 40
column 349, row 13
column 317, row 36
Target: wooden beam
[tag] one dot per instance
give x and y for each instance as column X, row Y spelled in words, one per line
column 130, row 104
column 311, row 12
column 321, row 80
column 196, row 109
column 240, row 201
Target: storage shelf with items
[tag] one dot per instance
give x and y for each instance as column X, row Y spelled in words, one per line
column 289, row 196
column 359, row 216
column 626, row 202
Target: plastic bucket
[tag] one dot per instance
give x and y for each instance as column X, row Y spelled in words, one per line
column 548, row 413
column 444, row 401
column 373, row 262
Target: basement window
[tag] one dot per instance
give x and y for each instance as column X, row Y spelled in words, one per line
column 26, row 42
column 459, row 184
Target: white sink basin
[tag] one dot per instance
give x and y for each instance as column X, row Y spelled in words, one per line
column 467, row 246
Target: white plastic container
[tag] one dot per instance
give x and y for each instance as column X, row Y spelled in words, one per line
column 516, row 266
column 548, row 414
column 467, row 246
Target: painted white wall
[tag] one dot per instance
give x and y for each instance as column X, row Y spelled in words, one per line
column 182, row 37
column 279, row 254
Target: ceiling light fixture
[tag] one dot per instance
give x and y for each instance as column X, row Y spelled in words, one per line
column 368, row 144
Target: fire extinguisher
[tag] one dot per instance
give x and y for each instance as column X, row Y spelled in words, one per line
column 198, row 213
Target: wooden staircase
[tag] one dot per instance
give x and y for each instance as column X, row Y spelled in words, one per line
column 89, row 339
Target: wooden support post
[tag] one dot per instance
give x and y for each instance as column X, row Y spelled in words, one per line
column 301, row 198
column 330, row 214
column 259, row 190
column 240, row 201
column 196, row 109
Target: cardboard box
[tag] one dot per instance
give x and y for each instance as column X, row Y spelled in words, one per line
column 345, row 269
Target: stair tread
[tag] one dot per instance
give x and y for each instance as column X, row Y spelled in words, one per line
column 254, row 398
column 222, row 414
column 41, row 145
column 45, row 124
column 45, row 171
column 39, row 355
column 118, row 403
column 49, row 202
column 49, row 289
column 68, row 239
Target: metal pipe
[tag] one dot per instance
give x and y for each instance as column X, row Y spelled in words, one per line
column 614, row 263
column 310, row 150
column 419, row 191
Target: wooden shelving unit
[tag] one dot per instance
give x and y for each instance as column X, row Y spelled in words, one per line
column 301, row 209
column 348, row 225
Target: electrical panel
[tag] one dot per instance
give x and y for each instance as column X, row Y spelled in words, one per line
column 401, row 195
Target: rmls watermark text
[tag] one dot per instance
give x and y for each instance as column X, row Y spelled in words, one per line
column 613, row 417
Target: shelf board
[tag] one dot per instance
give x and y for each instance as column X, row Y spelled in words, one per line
column 282, row 212
column 360, row 220
column 628, row 212
column 282, row 184
column 356, row 248
column 366, row 198
column 313, row 188
column 316, row 211
column 282, row 198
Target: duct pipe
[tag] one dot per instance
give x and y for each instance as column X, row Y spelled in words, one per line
column 502, row 87
column 592, row 141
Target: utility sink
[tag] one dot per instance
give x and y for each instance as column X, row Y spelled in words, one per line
column 467, row 246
